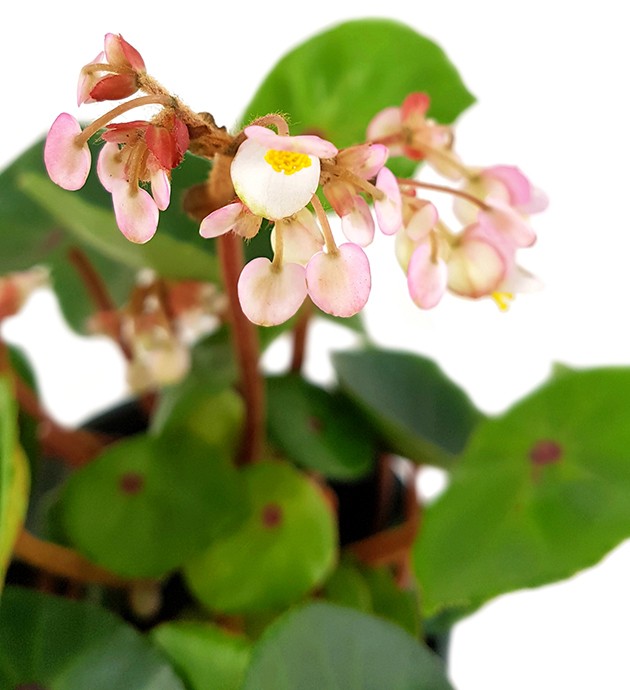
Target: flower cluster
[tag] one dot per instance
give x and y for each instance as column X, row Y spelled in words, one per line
column 282, row 179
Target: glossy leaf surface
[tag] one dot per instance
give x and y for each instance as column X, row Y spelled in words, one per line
column 421, row 414
column 540, row 493
column 53, row 643
column 327, row 646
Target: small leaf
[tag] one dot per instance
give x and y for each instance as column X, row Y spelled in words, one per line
column 325, row 646
column 540, row 493
column 421, row 414
column 147, row 504
column 14, row 477
column 204, row 655
column 285, row 549
column 317, row 429
column 49, row 642
column 334, row 83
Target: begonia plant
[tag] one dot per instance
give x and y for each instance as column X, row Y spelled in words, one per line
column 230, row 528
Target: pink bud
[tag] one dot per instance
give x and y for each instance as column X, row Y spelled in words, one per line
column 136, row 212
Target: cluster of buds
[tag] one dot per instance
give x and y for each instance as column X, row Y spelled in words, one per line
column 276, row 177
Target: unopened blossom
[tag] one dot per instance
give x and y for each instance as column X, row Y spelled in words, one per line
column 407, row 131
column 113, row 74
column 348, row 181
column 16, row 288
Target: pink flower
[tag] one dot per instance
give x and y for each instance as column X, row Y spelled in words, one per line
column 66, row 156
column 113, row 74
column 135, row 152
column 407, row 131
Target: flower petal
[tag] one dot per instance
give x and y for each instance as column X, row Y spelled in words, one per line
column 303, row 143
column 475, row 269
column 265, row 191
column 221, row 221
column 110, row 166
column 426, row 279
column 67, row 163
column 301, row 238
column 422, row 221
column 270, row 295
column 388, row 210
column 339, row 283
column 136, row 212
column 161, row 189
column 358, row 224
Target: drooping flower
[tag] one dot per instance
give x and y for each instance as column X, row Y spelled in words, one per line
column 407, row 131
column 135, row 152
column 113, row 74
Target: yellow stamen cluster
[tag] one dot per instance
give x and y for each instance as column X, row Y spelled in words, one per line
column 503, row 299
column 287, row 162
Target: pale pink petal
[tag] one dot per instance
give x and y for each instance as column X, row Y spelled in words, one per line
column 305, row 143
column 422, row 221
column 221, row 221
column 365, row 159
column 270, row 295
column 161, row 189
column 358, row 225
column 426, row 277
column 136, row 212
column 475, row 269
column 301, row 237
column 385, row 124
column 504, row 219
column 404, row 247
column 339, row 283
column 388, row 210
column 67, row 163
column 110, row 166
column 340, row 195
column 520, row 280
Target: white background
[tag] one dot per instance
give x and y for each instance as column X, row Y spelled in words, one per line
column 551, row 81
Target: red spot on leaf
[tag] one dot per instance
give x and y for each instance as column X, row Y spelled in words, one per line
column 546, row 452
column 131, row 483
column 271, row 515
column 315, row 424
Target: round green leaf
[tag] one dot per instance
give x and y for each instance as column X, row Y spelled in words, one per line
column 317, row 429
column 327, row 646
column 335, row 82
column 205, row 656
column 148, row 504
column 286, row 547
column 421, row 413
column 540, row 493
column 57, row 644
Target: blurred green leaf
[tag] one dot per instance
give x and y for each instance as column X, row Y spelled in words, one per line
column 347, row 587
column 50, row 642
column 540, row 493
column 286, row 547
column 317, row 429
column 391, row 601
column 421, row 414
column 14, row 477
column 204, row 655
column 334, row 83
column 325, row 646
column 147, row 504
column 96, row 227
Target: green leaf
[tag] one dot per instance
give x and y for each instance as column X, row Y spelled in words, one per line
column 347, row 587
column 96, row 227
column 285, row 549
column 317, row 429
column 204, row 655
column 14, row 477
column 147, row 504
column 421, row 414
column 334, row 83
column 50, row 642
column 327, row 646
column 540, row 493
column 391, row 601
